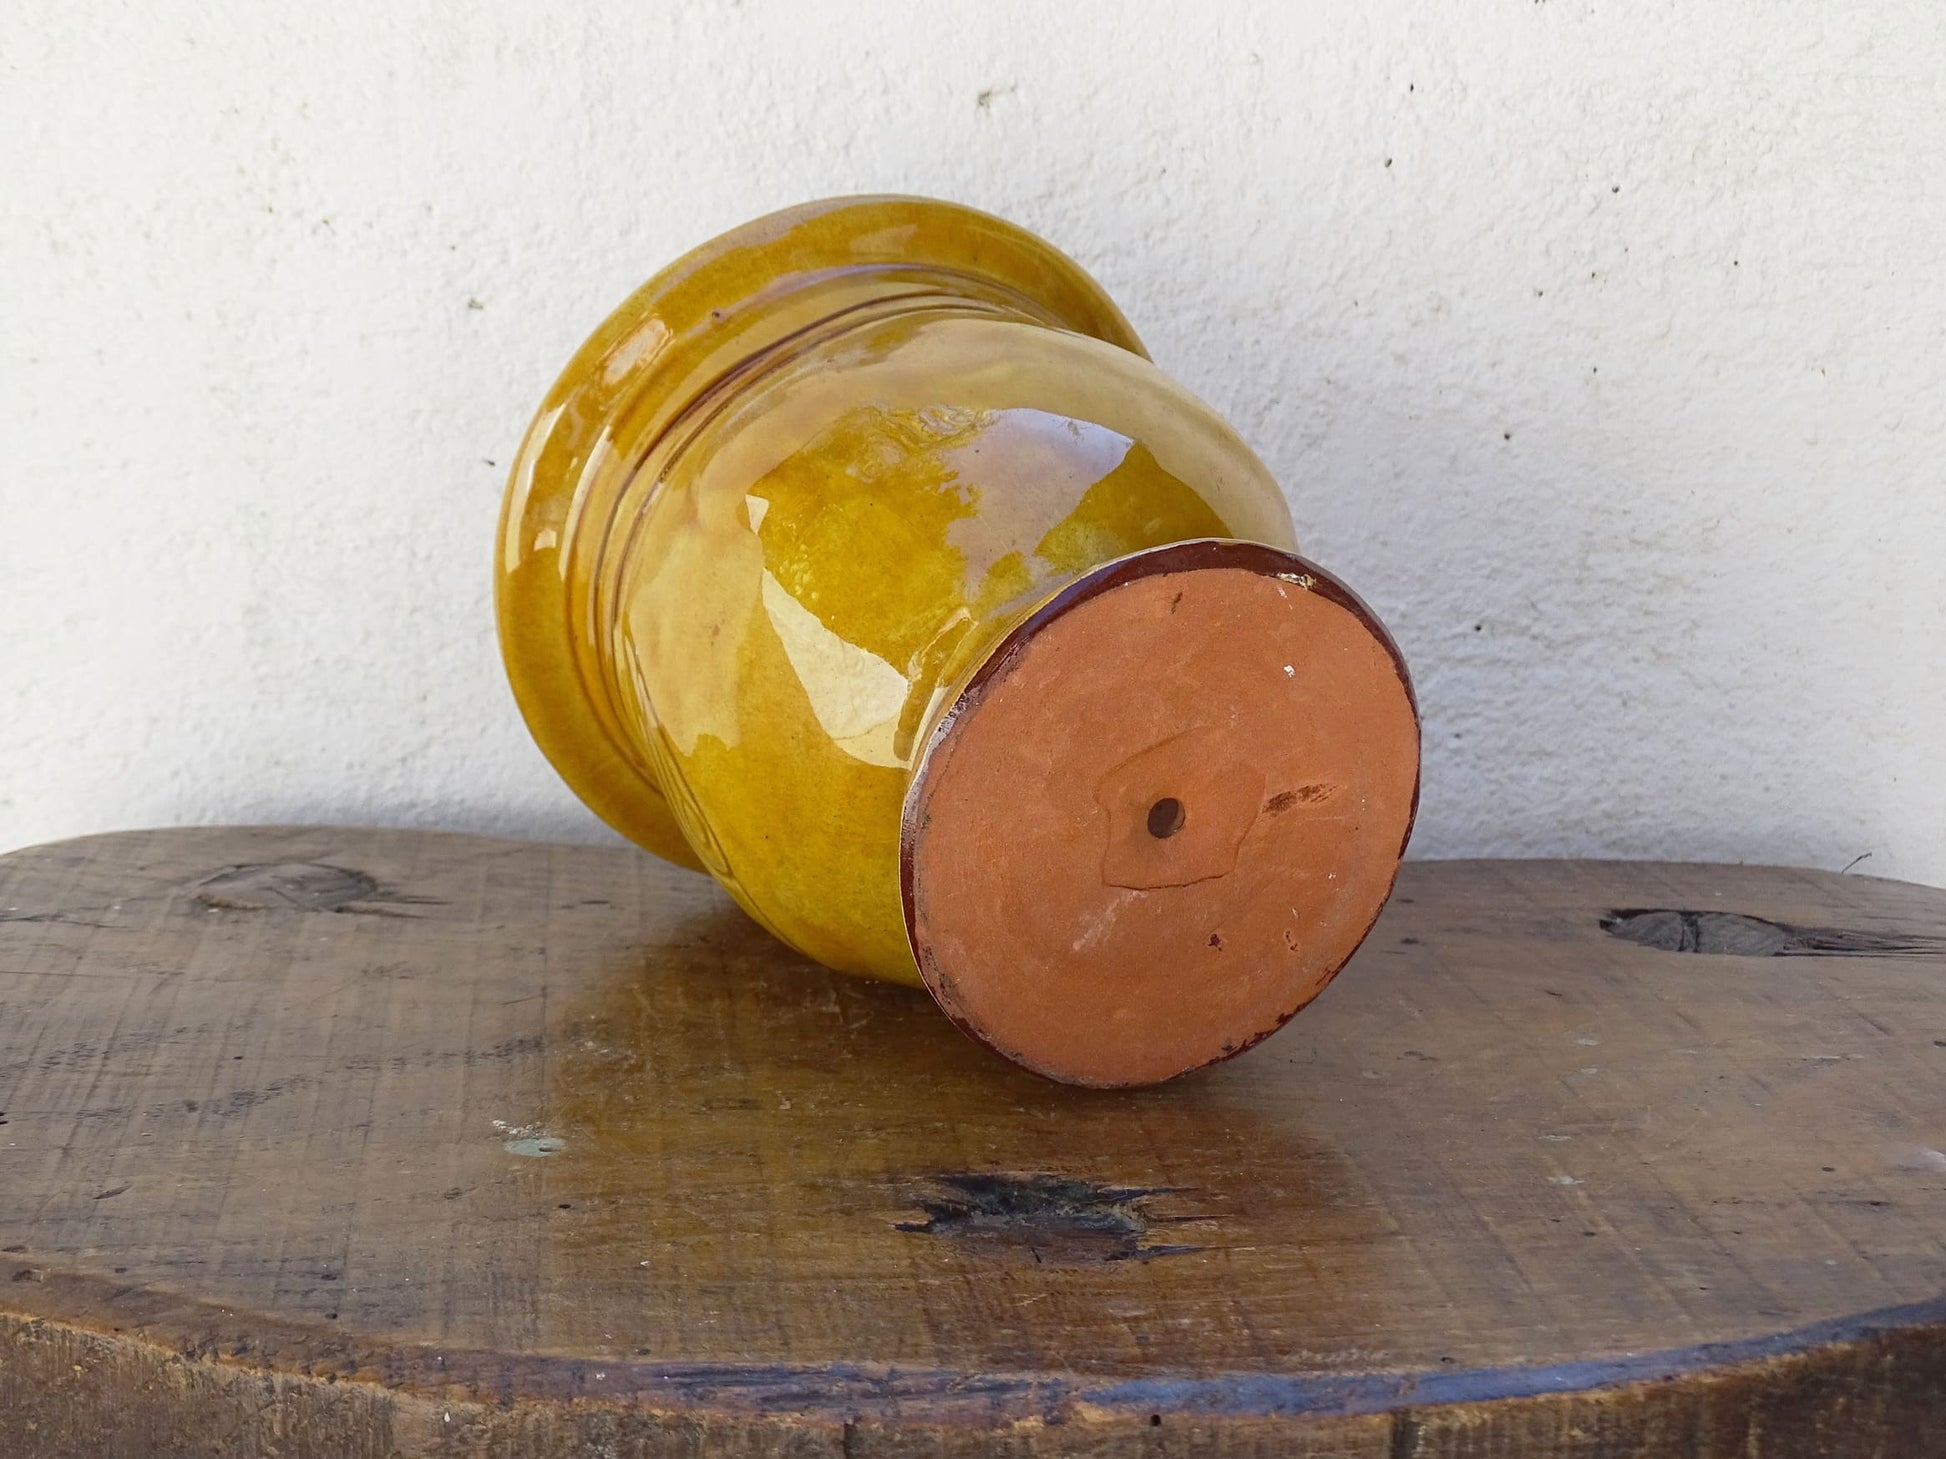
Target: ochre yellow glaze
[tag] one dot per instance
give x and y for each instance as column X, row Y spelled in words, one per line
column 786, row 500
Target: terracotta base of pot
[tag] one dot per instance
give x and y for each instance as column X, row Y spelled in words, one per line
column 1163, row 815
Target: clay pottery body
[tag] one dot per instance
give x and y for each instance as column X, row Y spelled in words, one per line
column 863, row 559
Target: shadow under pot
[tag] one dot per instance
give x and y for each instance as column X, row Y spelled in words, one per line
column 863, row 559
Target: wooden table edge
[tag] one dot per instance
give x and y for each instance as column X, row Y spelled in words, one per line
column 156, row 1328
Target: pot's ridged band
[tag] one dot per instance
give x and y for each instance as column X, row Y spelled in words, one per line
column 588, row 461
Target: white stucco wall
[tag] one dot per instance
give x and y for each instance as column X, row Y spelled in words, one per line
column 1602, row 347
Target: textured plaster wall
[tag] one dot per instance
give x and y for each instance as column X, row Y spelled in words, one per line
column 1601, row 346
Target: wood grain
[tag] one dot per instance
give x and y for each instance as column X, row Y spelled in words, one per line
column 324, row 1141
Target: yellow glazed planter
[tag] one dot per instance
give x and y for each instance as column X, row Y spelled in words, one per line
column 863, row 559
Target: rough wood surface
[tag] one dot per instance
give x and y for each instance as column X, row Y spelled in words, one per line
column 326, row 1141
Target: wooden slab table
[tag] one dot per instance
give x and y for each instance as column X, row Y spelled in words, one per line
column 339, row 1142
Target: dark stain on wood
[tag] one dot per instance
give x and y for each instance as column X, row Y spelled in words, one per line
column 1732, row 934
column 299, row 886
column 1053, row 1219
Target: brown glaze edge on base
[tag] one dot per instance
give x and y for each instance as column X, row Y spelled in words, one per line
column 1198, row 553
column 193, row 1377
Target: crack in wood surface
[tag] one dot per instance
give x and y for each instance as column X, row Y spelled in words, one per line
column 1735, row 934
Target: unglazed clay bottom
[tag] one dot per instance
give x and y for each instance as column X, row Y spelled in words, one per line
column 863, row 559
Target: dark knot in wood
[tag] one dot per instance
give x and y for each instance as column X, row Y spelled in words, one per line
column 299, row 886
column 1732, row 934
column 1053, row 1219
